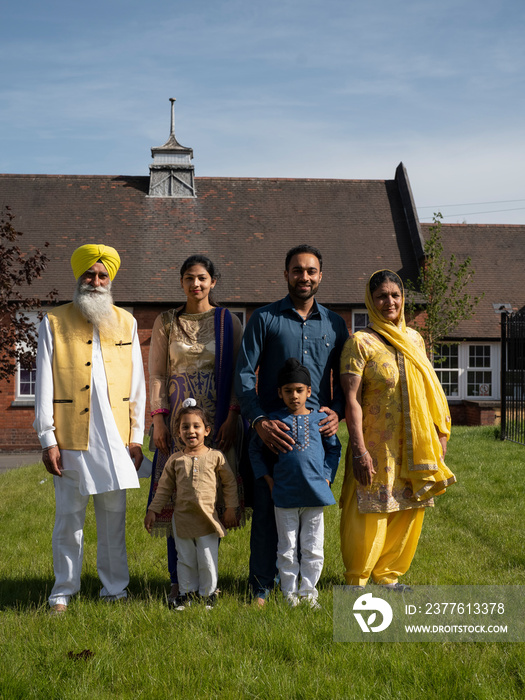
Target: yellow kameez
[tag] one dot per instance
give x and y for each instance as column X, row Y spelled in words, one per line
column 384, row 427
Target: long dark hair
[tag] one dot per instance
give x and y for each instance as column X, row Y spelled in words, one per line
column 381, row 276
column 210, row 268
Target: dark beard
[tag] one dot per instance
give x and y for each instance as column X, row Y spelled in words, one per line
column 303, row 296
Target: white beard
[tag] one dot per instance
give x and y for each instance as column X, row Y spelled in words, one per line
column 95, row 304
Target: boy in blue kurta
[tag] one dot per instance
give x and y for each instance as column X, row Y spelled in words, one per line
column 300, row 484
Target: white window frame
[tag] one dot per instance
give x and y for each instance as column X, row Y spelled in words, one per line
column 19, row 397
column 441, row 367
column 464, row 369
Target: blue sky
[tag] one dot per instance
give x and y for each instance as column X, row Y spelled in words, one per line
column 280, row 88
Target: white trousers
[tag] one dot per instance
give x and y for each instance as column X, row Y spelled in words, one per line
column 68, row 540
column 300, row 529
column 197, row 563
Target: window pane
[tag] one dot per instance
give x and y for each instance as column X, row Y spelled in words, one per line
column 27, row 381
column 240, row 315
column 449, row 382
column 479, row 356
column 479, row 384
column 447, row 357
column 360, row 321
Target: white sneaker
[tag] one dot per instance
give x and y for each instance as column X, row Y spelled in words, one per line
column 311, row 601
column 291, row 599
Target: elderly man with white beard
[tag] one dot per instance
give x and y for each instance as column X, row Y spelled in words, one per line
column 89, row 416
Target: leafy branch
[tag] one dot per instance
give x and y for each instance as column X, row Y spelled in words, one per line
column 441, row 289
column 18, row 270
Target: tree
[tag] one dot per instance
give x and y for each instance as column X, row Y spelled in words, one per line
column 442, row 289
column 18, row 269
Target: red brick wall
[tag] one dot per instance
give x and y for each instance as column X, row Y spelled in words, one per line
column 475, row 413
column 457, row 414
column 479, row 413
column 145, row 319
column 16, row 422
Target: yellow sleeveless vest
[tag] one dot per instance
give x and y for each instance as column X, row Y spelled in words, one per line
column 72, row 358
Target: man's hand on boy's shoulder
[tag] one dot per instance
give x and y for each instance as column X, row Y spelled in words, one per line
column 329, row 425
column 274, row 434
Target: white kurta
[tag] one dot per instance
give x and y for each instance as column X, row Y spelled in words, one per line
column 106, row 465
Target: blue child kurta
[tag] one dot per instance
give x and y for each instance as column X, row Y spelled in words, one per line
column 299, row 475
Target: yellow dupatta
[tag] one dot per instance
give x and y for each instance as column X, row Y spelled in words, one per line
column 425, row 407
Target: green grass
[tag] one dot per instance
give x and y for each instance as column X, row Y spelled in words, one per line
column 474, row 535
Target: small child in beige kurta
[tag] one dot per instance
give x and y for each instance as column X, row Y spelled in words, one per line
column 195, row 479
column 194, row 474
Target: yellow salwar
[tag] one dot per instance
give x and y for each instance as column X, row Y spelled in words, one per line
column 380, row 545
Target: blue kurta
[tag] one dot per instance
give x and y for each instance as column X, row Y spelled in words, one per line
column 299, row 475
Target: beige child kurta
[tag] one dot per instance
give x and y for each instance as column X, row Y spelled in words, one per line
column 195, row 479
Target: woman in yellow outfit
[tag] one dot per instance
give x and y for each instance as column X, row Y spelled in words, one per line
column 398, row 424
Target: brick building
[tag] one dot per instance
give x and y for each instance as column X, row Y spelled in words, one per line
column 246, row 225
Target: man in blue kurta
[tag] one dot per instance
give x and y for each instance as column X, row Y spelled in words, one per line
column 296, row 326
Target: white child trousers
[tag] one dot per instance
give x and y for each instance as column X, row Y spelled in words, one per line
column 68, row 540
column 197, row 563
column 300, row 529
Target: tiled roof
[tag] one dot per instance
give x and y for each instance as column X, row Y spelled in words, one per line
column 245, row 225
column 498, row 259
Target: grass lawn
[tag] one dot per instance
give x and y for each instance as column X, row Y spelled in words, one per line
column 140, row 649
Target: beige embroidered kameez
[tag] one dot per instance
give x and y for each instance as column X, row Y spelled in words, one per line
column 182, row 361
column 195, row 479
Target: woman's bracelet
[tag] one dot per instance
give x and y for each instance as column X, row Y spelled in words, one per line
column 235, row 408
column 159, row 410
column 360, row 456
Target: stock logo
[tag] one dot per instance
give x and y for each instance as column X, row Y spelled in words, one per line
column 367, row 603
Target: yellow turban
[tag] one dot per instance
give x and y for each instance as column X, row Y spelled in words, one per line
column 87, row 255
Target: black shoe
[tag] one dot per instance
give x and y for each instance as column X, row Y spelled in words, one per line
column 211, row 601
column 183, row 601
